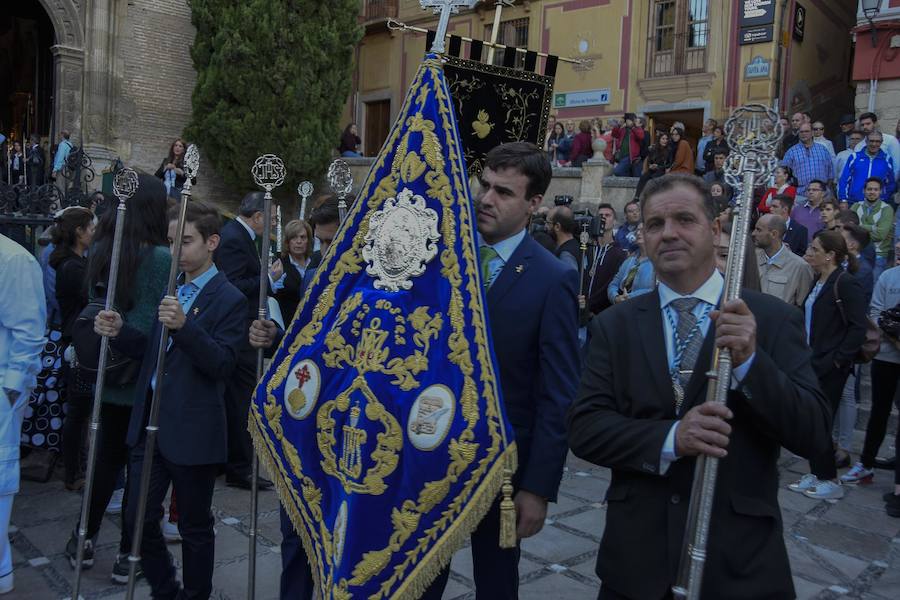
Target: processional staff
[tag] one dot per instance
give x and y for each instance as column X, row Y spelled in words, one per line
column 191, row 166
column 268, row 173
column 125, row 185
column 753, row 133
column 341, row 181
column 305, row 189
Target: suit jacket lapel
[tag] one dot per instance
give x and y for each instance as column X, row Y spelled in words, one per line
column 650, row 326
column 511, row 272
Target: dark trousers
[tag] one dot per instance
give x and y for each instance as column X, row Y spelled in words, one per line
column 112, row 456
column 296, row 577
column 237, row 407
column 608, row 594
column 194, row 486
column 78, row 411
column 645, row 177
column 885, row 376
column 822, row 464
column 496, row 569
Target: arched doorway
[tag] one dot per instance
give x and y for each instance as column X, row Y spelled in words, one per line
column 26, row 70
column 41, row 68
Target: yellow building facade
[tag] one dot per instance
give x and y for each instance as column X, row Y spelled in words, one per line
column 670, row 60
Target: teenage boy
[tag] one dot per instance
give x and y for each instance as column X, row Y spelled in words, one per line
column 207, row 324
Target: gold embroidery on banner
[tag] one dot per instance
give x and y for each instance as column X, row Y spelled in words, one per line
column 464, row 511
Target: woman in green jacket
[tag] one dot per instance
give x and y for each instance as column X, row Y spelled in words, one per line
column 143, row 272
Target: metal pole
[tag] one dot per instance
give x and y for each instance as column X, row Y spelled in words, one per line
column 268, row 173
column 126, row 184
column 495, row 31
column 191, row 164
column 753, row 133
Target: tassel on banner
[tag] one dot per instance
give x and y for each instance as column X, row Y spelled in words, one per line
column 507, row 513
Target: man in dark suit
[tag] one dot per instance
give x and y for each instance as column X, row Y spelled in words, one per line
column 238, row 258
column 842, row 140
column 532, row 313
column 206, row 323
column 641, row 412
column 796, row 236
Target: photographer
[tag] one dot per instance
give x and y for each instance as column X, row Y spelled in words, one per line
column 604, row 260
column 564, row 230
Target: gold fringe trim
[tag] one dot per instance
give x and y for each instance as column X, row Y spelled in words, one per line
column 270, row 462
column 439, row 556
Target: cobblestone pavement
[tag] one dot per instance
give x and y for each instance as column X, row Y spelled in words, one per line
column 845, row 549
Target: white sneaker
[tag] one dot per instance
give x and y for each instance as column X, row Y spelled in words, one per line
column 6, row 583
column 806, row 482
column 858, row 474
column 115, row 502
column 170, row 532
column 826, row 490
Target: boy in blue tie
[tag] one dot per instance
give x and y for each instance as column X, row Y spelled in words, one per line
column 207, row 325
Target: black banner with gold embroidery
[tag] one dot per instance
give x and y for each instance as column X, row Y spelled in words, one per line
column 497, row 104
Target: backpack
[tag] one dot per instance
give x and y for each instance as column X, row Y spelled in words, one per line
column 872, row 344
column 120, row 369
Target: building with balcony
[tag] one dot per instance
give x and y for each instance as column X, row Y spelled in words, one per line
column 876, row 65
column 672, row 60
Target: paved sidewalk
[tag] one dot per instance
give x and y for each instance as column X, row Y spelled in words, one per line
column 846, row 549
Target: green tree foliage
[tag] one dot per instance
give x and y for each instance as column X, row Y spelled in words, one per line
column 272, row 76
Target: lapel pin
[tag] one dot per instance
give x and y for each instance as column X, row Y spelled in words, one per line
column 196, row 311
column 520, row 268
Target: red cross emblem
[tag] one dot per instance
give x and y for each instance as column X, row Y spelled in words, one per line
column 302, row 375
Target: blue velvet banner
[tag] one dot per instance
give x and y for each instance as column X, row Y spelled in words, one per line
column 380, row 418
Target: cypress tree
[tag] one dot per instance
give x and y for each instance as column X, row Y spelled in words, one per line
column 272, row 76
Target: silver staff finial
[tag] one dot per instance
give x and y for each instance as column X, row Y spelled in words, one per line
column 191, row 162
column 753, row 132
column 444, row 8
column 268, row 172
column 341, row 181
column 305, row 189
column 125, row 184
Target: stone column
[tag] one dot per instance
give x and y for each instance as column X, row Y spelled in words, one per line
column 68, row 65
column 592, row 173
column 99, row 72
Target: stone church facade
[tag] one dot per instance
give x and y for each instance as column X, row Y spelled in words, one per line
column 123, row 79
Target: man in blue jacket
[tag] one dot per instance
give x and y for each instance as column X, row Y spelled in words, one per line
column 870, row 162
column 207, row 322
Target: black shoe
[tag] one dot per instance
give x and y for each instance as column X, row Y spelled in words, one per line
column 841, row 458
column 887, row 496
column 886, row 463
column 120, row 570
column 892, row 505
column 246, row 483
column 87, row 558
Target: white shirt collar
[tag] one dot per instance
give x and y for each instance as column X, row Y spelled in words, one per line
column 505, row 248
column 771, row 259
column 300, row 267
column 709, row 292
column 247, row 227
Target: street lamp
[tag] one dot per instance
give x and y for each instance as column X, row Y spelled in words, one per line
column 871, row 8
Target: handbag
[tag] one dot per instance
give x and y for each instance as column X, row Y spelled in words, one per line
column 872, row 343
column 120, row 369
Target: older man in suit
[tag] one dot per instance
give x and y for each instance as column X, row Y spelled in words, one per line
column 238, row 258
column 533, row 317
column 640, row 411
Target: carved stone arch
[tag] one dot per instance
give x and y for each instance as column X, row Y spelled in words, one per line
column 68, row 64
column 66, row 18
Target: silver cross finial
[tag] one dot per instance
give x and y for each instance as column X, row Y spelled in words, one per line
column 445, row 8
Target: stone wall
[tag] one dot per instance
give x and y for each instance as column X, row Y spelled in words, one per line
column 886, row 106
column 153, row 95
column 618, row 191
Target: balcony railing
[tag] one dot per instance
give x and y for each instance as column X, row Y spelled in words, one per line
column 378, row 10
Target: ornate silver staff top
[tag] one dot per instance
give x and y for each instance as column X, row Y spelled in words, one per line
column 305, row 189
column 268, row 173
column 190, row 166
column 753, row 132
column 341, row 181
column 445, row 8
column 125, row 184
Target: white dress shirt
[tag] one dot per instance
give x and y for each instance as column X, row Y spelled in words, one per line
column 709, row 294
